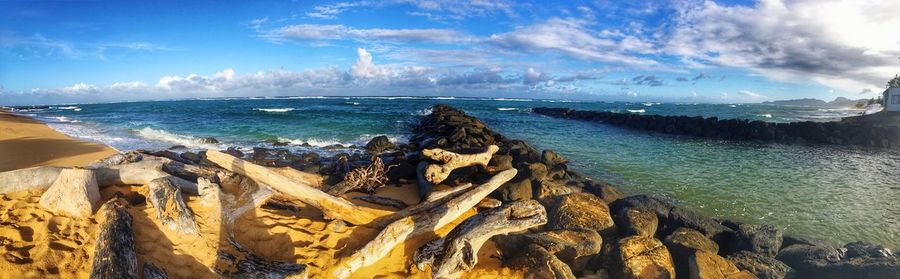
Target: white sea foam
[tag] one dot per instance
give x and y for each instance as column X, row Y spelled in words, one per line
column 166, row 136
column 648, row 104
column 275, row 109
column 767, row 115
column 512, row 99
column 732, row 106
column 637, row 111
column 423, row 112
column 444, row 98
column 352, row 103
column 506, row 109
column 69, row 107
column 63, row 119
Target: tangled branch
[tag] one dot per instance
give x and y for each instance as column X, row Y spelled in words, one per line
column 367, row 178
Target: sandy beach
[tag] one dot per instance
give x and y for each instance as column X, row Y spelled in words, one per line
column 25, row 142
column 36, row 243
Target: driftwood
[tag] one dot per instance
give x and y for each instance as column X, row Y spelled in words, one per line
column 456, row 253
column 385, row 201
column 331, row 206
column 114, row 255
column 314, row 180
column 449, row 161
column 137, row 173
column 74, row 193
column 417, row 225
column 489, row 203
column 36, row 178
column 170, row 208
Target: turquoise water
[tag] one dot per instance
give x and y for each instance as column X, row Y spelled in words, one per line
column 839, row 194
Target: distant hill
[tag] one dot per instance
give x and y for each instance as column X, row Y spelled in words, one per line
column 810, row 102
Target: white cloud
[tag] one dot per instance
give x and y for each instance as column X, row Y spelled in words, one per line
column 324, row 32
column 573, row 37
column 751, row 95
column 847, row 44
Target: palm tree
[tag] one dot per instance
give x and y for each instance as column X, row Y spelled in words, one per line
column 894, row 82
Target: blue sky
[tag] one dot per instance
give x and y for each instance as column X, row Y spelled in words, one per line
column 678, row 50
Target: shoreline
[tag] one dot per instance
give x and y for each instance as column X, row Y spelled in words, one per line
column 26, row 142
column 454, row 129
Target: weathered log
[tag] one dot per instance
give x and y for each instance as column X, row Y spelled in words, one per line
column 153, row 272
column 437, row 173
column 141, row 173
column 190, row 172
column 433, row 200
column 385, row 201
column 74, row 193
column 249, row 265
column 456, row 253
column 170, row 208
column 331, row 206
column 417, row 225
column 36, row 178
column 339, row 189
column 114, row 255
column 311, row 179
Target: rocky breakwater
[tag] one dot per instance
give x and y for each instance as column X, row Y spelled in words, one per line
column 838, row 132
column 594, row 231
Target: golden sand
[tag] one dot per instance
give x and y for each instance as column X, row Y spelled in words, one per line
column 25, row 142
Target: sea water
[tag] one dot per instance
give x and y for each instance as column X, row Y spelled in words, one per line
column 835, row 193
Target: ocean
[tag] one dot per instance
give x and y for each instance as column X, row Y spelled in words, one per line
column 835, row 193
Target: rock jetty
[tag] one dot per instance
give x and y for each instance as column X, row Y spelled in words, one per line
column 594, row 231
column 860, row 133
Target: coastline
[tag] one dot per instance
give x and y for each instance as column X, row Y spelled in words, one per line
column 26, row 142
column 266, row 229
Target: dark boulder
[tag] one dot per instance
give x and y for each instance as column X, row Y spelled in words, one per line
column 762, row 267
column 682, row 217
column 579, row 211
column 634, row 222
column 501, row 162
column 812, row 261
column 551, row 158
column 519, row 189
column 537, row 171
column 540, row 263
column 607, row 192
column 380, row 144
column 761, row 239
column 234, row 152
column 643, row 203
column 683, row 243
column 574, row 247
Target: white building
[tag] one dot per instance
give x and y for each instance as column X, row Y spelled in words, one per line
column 892, row 99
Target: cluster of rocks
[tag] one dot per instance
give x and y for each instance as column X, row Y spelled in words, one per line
column 837, row 132
column 593, row 231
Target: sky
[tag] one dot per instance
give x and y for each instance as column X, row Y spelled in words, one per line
column 54, row 52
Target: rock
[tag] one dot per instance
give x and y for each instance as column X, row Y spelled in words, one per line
column 74, row 193
column 542, row 264
column 379, row 144
column 683, row 243
column 207, row 140
column 643, row 203
column 514, row 191
column 401, row 169
column 233, row 151
column 861, row 249
column 607, row 192
column 551, row 159
column 574, row 247
column 501, row 162
column 178, row 147
column 579, row 211
column 682, row 217
column 708, row 265
column 642, row 257
column 762, row 239
column 191, row 156
column 548, row 189
column 522, row 152
column 559, row 172
column 275, row 142
column 762, row 267
column 815, row 261
column 537, row 171
column 633, row 222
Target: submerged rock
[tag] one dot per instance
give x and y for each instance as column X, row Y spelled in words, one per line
column 207, row 140
column 379, row 144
